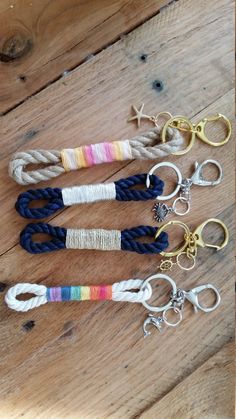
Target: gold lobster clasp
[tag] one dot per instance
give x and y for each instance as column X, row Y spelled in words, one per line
column 184, row 124
column 191, row 241
column 199, row 239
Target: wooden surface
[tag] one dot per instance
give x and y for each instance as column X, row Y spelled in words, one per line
column 89, row 360
column 41, row 40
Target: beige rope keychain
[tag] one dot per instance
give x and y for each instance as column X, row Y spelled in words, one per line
column 156, row 143
column 142, row 147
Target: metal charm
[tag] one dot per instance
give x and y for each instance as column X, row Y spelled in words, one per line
column 155, row 321
column 183, row 188
column 191, row 242
column 182, row 123
column 161, row 211
column 176, row 303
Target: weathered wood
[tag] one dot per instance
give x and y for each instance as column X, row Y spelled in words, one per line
column 202, row 393
column 40, row 40
column 89, row 360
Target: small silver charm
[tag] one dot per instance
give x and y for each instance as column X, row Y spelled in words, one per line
column 161, row 211
column 155, row 321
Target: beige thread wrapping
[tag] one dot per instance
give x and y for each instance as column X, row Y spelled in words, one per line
column 88, row 193
column 93, row 239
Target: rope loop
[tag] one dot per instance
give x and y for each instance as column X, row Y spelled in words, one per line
column 128, row 241
column 15, row 304
column 124, row 193
column 57, row 242
column 52, row 195
column 121, row 291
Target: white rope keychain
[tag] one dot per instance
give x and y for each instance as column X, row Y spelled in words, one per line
column 132, row 291
column 142, row 147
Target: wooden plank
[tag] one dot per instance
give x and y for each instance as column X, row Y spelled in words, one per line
column 47, row 119
column 90, row 359
column 40, row 40
column 206, row 393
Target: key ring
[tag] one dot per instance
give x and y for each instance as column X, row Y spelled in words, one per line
column 176, row 303
column 191, row 242
column 179, row 179
column 157, row 309
column 183, row 187
column 184, row 124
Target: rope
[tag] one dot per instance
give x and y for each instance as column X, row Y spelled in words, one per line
column 13, row 292
column 52, row 195
column 119, row 291
column 58, row 198
column 142, row 147
column 92, row 239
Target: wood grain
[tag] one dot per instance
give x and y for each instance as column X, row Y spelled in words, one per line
column 200, row 395
column 42, row 40
column 90, row 360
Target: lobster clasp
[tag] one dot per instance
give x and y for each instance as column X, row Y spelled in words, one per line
column 201, row 126
column 192, row 297
column 199, row 237
column 197, row 177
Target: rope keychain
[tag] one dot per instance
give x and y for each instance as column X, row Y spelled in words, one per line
column 142, row 147
column 132, row 291
column 58, row 198
column 97, row 239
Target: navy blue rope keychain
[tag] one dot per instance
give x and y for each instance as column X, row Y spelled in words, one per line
column 99, row 239
column 59, row 198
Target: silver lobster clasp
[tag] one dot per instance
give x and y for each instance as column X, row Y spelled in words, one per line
column 197, row 178
column 192, row 297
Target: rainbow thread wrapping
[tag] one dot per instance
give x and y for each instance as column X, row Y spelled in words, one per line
column 79, row 293
column 90, row 155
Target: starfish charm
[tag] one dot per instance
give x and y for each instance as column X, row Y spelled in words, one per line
column 138, row 115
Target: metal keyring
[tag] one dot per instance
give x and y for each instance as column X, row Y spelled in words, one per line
column 177, row 311
column 179, row 177
column 182, row 266
column 174, row 290
column 181, row 199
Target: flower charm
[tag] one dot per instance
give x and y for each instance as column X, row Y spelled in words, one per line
column 160, row 211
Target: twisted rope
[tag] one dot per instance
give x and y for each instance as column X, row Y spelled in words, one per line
column 124, row 193
column 13, row 292
column 120, row 291
column 52, row 195
column 92, row 239
column 58, row 198
column 143, row 147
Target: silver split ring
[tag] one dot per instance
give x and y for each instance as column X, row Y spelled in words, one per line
column 179, row 179
column 186, row 202
column 174, row 291
column 177, row 311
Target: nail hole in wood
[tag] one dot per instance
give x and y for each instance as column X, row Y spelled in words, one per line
column 22, row 78
column 27, row 326
column 143, row 58
column 158, row 85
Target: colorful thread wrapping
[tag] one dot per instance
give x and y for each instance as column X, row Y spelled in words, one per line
column 90, row 155
column 131, row 290
column 79, row 293
column 57, row 198
column 142, row 147
column 97, row 239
